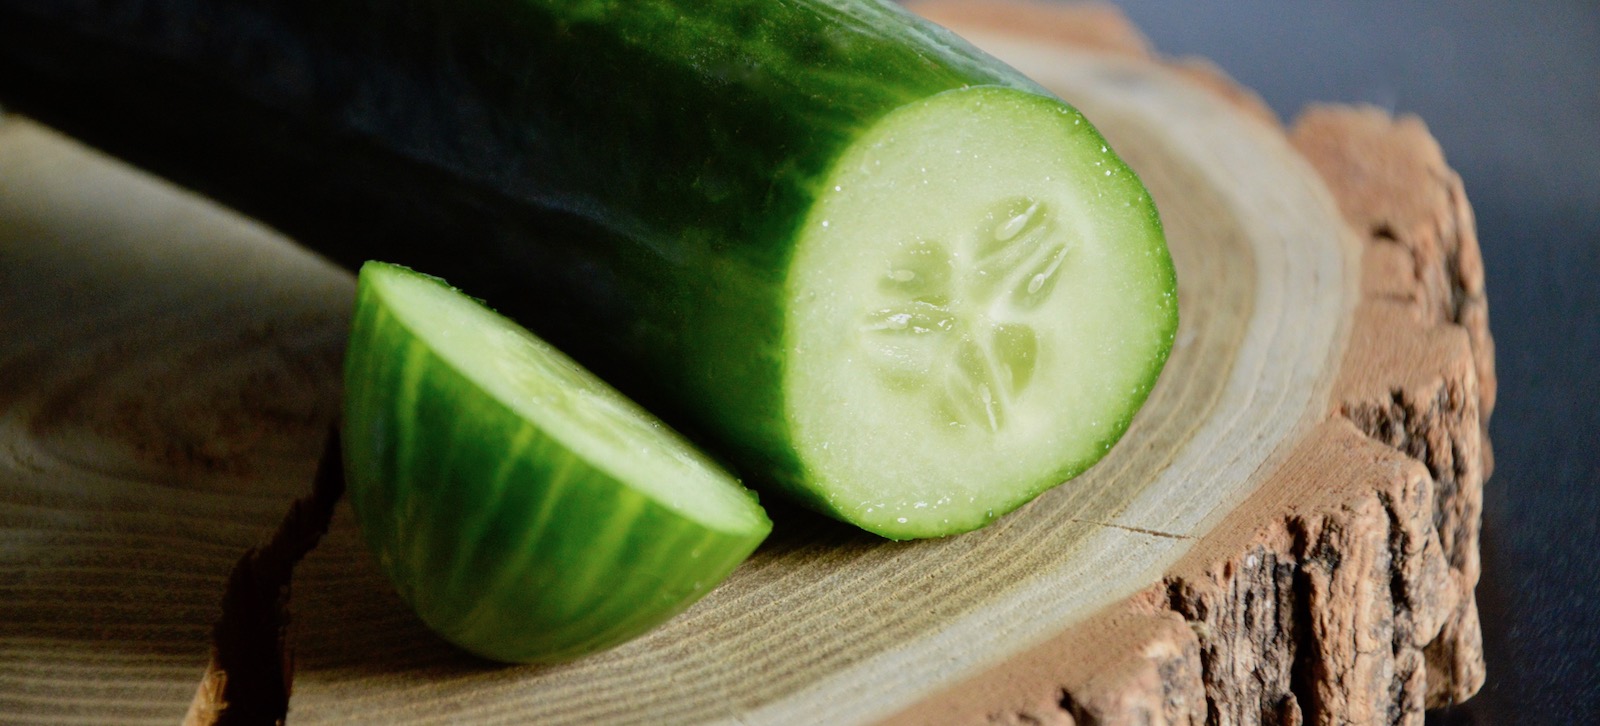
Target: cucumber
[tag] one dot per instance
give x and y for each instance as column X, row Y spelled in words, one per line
column 871, row 266
column 526, row 510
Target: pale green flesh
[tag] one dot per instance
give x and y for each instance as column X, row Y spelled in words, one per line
column 565, row 402
column 979, row 303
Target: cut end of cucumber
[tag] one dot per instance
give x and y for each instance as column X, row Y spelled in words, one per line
column 564, row 401
column 526, row 511
column 980, row 302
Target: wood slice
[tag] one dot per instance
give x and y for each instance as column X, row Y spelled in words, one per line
column 1287, row 534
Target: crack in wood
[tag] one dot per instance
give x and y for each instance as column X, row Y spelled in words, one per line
column 1129, row 528
column 251, row 672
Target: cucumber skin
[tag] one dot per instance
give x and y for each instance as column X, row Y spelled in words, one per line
column 495, row 534
column 496, row 143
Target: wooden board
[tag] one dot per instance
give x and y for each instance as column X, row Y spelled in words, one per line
column 1287, row 534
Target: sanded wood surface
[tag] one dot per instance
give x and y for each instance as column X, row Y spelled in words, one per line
column 1287, row 533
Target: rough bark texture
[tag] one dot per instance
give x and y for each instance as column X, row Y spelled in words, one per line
column 1424, row 273
column 1342, row 592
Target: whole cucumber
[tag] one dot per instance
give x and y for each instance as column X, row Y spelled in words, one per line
column 864, row 261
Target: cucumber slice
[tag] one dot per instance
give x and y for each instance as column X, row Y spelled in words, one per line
column 978, row 307
column 526, row 510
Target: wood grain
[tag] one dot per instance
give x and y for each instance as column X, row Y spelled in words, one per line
column 1287, row 534
column 166, row 371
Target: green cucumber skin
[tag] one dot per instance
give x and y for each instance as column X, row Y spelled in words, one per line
column 497, row 143
column 500, row 539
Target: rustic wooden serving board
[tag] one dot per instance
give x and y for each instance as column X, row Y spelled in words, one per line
column 1287, row 534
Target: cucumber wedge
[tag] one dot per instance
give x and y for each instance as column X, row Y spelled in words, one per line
column 527, row 511
column 871, row 266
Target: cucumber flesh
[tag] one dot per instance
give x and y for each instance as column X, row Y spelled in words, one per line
column 527, row 511
column 979, row 303
column 566, row 402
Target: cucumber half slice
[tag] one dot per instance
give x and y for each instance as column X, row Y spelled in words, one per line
column 979, row 303
column 526, row 510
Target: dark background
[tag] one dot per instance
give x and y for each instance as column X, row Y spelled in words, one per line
column 1512, row 92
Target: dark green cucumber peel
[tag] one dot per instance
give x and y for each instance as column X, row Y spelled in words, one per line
column 523, row 508
column 645, row 184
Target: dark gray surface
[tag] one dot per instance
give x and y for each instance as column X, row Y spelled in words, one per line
column 1512, row 92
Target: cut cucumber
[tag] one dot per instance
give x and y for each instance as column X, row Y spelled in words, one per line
column 526, row 510
column 979, row 305
column 713, row 204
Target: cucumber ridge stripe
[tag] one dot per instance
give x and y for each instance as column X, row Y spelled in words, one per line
column 408, row 535
column 473, row 549
column 556, row 484
column 625, row 507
